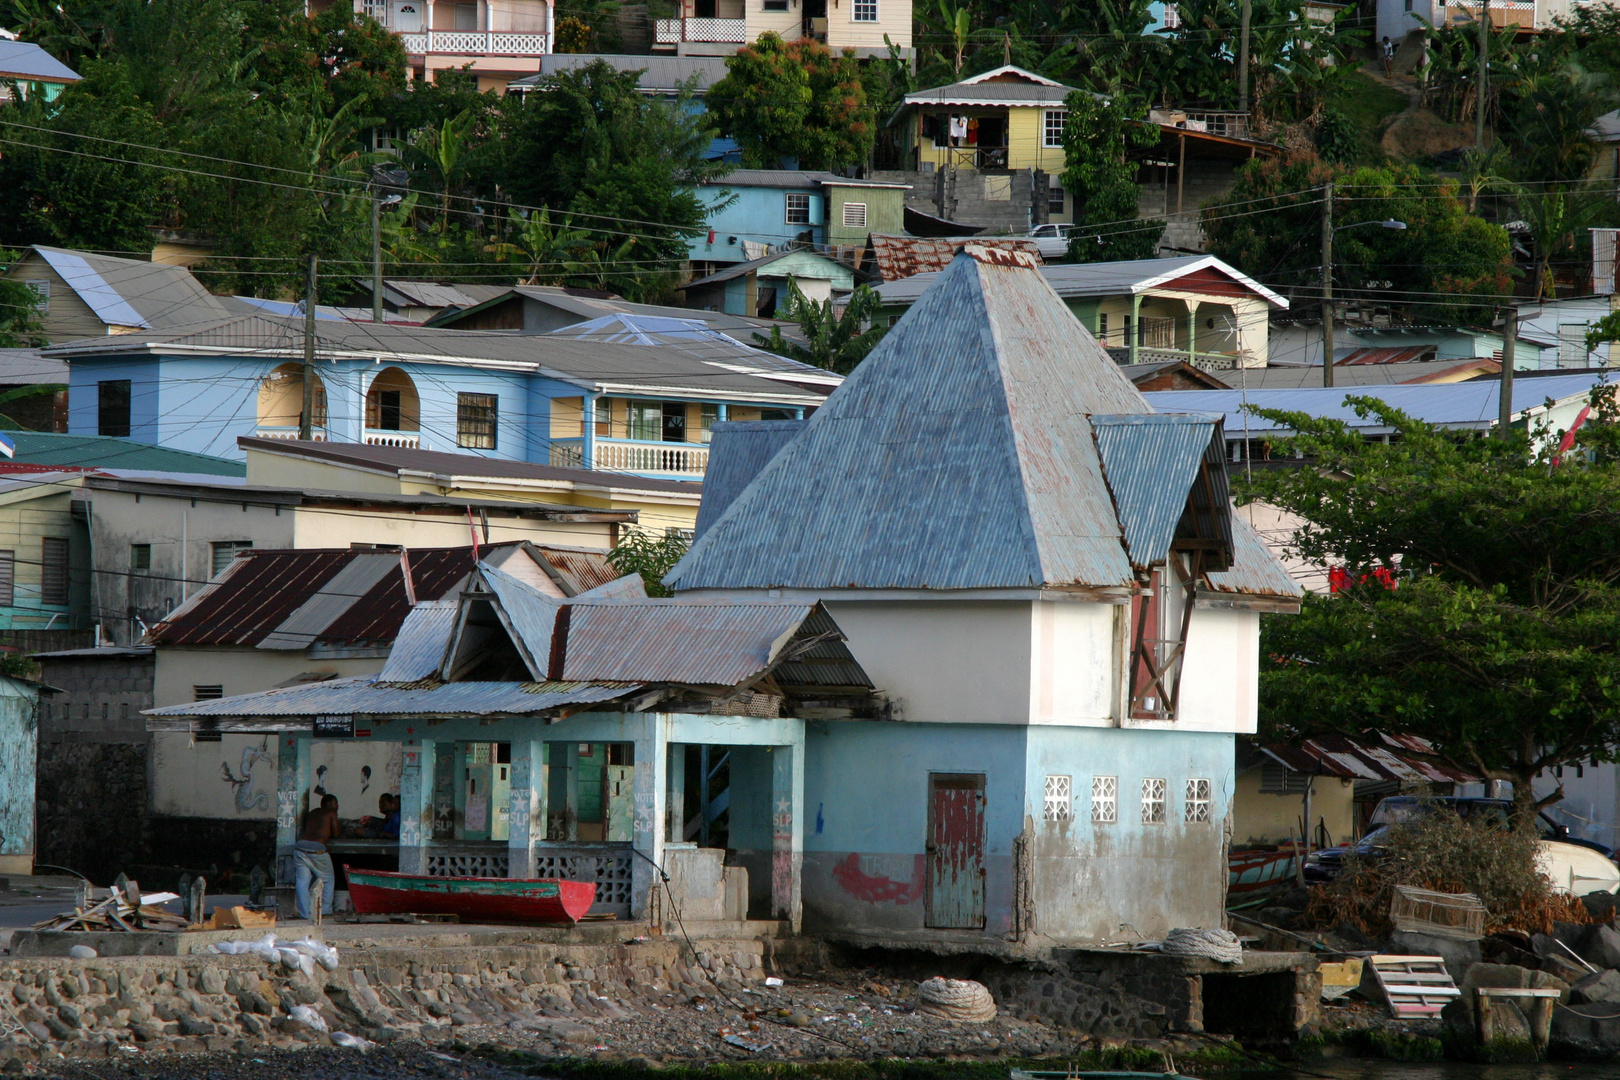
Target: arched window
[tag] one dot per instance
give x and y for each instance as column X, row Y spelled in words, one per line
column 391, row 402
column 281, row 400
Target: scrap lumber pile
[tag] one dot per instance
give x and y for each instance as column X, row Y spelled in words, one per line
column 122, row 910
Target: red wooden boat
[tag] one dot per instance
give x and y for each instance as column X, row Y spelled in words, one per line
column 475, row 899
column 1253, row 871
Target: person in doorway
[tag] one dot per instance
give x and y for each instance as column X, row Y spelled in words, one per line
column 1386, row 53
column 310, row 858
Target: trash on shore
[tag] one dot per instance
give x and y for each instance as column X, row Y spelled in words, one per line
column 303, row 954
column 126, row 910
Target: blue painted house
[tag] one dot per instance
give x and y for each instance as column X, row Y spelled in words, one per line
column 973, row 643
column 1045, row 578
column 651, row 388
column 756, row 212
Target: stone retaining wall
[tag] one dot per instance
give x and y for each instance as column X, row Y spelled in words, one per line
column 88, row 1008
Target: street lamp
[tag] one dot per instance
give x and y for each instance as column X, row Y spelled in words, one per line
column 1327, row 274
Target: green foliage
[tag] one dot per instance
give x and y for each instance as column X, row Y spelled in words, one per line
column 1336, row 136
column 794, row 100
column 837, row 342
column 1097, row 141
column 19, row 310
column 573, row 35
column 1501, row 643
column 619, row 164
column 1445, row 266
column 650, row 554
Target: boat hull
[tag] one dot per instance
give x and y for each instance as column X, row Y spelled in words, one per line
column 475, row 899
column 1255, row 871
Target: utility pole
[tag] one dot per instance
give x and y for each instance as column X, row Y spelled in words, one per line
column 306, row 417
column 1483, row 91
column 376, row 255
column 1504, row 395
column 1243, row 60
column 1327, row 283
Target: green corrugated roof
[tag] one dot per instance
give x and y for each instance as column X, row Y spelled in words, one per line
column 106, row 452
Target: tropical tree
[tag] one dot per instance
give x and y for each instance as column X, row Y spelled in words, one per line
column 1097, row 140
column 648, row 553
column 794, row 101
column 834, row 340
column 1487, row 617
column 19, row 310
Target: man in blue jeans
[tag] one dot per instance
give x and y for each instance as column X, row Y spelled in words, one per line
column 310, row 859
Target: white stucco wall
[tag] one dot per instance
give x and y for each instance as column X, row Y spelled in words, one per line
column 1074, row 664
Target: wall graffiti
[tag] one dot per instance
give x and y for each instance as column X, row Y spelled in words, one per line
column 876, row 889
column 244, row 788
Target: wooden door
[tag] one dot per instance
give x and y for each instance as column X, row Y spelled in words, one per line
column 955, row 848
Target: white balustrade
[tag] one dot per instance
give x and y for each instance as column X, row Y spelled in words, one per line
column 729, row 31
column 475, row 43
column 411, row 440
column 667, row 32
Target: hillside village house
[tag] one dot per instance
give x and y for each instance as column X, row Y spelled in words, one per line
column 757, row 212
column 82, row 294
column 404, row 470
column 761, row 287
column 496, row 42
column 1192, row 308
column 1062, row 654
column 650, row 397
column 721, row 27
column 540, row 309
column 36, row 73
column 988, row 150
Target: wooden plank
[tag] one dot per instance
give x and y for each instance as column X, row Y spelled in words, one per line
column 1515, row 992
column 1419, row 991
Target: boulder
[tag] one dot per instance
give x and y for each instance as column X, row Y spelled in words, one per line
column 1587, row 1030
column 1459, row 956
column 1602, row 986
column 1599, row 905
column 1603, row 947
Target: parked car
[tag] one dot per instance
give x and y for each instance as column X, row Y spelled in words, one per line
column 1574, row 865
column 1052, row 240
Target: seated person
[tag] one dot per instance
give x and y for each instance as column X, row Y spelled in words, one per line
column 385, row 827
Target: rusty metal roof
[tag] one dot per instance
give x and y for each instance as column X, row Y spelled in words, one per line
column 291, row 599
column 737, row 451
column 1147, row 458
column 1397, row 354
column 890, row 258
column 419, row 647
column 367, row 696
column 1255, row 570
column 959, row 455
column 1410, row 760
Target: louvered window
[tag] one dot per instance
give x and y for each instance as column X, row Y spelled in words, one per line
column 8, row 578
column 53, row 572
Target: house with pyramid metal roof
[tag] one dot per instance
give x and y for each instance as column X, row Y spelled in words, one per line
column 1044, row 579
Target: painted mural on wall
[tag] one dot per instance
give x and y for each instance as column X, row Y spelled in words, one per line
column 236, row 777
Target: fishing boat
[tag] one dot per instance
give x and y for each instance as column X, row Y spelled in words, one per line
column 475, row 899
column 1255, row 871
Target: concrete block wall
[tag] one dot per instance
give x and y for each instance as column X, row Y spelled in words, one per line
column 971, row 197
column 101, row 699
column 1206, row 179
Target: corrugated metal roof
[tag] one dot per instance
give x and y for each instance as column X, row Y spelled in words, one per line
column 1073, row 280
column 628, row 587
column 711, row 643
column 23, row 60
column 1007, row 85
column 26, row 367
column 687, row 369
column 1395, row 354
column 419, row 646
column 696, row 338
column 738, row 450
column 531, row 614
column 580, row 570
column 1309, row 376
column 666, row 73
column 105, row 451
column 1338, row 755
column 1255, row 570
column 1468, row 405
column 366, row 697
column 309, row 620
column 1150, row 461
column 958, row 455
column 893, row 258
column 128, row 292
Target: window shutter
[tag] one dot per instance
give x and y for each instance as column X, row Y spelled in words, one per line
column 53, row 580
column 8, row 578
column 854, row 215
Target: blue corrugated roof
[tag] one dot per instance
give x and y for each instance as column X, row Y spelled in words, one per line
column 712, row 643
column 1255, row 571
column 1146, row 456
column 419, row 646
column 738, row 450
column 957, row 456
column 531, row 614
column 23, row 60
column 1458, row 405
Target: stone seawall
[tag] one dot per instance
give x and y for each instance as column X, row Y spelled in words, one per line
column 90, row 1008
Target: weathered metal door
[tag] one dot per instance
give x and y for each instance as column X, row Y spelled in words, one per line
column 955, row 850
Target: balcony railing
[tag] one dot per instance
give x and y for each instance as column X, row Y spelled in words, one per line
column 475, row 43
column 278, row 432
column 411, row 440
column 686, row 460
column 700, row 30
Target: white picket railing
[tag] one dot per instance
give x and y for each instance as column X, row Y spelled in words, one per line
column 613, row 455
column 667, row 32
column 475, row 43
column 411, row 440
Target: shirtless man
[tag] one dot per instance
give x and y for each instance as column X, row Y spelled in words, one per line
column 310, row 859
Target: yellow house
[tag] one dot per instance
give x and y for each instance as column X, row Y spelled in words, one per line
column 1008, row 120
column 404, row 470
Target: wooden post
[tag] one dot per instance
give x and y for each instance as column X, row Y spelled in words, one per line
column 1484, row 1026
column 1181, row 167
